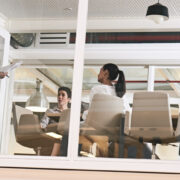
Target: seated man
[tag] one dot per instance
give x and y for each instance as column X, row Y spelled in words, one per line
column 63, row 98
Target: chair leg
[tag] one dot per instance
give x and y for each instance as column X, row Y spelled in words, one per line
column 93, row 149
column 111, row 149
column 139, row 154
column 153, row 151
column 38, row 151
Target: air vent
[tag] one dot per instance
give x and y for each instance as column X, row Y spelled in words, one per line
column 52, row 39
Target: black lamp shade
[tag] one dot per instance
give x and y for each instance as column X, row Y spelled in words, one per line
column 158, row 9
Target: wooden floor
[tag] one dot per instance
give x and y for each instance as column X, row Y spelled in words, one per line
column 38, row 174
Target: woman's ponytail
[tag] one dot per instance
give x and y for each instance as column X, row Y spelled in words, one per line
column 120, row 86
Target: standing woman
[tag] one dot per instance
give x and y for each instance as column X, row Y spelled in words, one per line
column 107, row 76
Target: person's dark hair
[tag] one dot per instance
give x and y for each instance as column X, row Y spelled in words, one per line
column 68, row 91
column 114, row 71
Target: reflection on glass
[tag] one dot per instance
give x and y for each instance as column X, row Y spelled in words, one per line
column 107, row 132
column 41, row 133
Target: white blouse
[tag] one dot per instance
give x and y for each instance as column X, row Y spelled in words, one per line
column 105, row 89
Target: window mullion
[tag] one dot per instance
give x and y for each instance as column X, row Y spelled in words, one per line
column 150, row 86
column 77, row 79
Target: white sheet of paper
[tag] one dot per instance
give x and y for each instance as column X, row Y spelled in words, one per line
column 10, row 67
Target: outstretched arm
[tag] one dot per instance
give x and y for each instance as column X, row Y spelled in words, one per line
column 3, row 74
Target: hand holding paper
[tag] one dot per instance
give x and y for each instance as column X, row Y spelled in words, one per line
column 10, row 67
column 3, row 74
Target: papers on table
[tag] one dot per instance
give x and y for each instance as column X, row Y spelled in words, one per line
column 10, row 67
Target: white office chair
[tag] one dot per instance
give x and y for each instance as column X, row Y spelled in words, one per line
column 28, row 131
column 104, row 122
column 151, row 119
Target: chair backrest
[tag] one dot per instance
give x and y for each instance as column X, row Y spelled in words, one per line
column 63, row 124
column 29, row 125
column 17, row 111
column 28, row 131
column 105, row 114
column 151, row 116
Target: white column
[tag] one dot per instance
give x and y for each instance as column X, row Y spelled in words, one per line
column 151, row 74
column 77, row 79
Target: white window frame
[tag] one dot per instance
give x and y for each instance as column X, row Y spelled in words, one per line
column 73, row 161
column 4, row 83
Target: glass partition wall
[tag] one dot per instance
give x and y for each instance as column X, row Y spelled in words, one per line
column 39, row 99
column 108, row 107
column 92, row 131
column 41, row 88
column 98, row 126
column 167, row 80
column 97, row 142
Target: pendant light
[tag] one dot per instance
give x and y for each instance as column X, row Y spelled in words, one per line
column 38, row 102
column 157, row 13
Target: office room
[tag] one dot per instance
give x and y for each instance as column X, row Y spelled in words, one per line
column 96, row 88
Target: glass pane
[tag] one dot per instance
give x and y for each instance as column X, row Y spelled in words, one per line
column 103, row 111
column 136, row 80
column 167, row 80
column 107, row 93
column 40, row 111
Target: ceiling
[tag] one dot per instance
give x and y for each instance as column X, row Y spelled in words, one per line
column 114, row 10
column 97, row 8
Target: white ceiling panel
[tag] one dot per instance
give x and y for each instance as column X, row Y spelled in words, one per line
column 129, row 8
column 38, row 8
column 97, row 8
